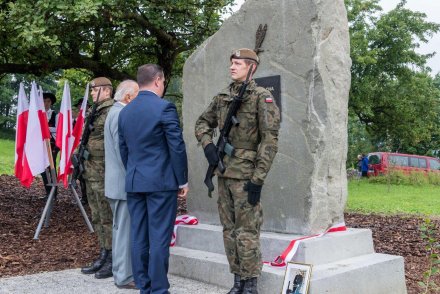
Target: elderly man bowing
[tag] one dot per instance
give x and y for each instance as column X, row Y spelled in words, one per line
column 115, row 188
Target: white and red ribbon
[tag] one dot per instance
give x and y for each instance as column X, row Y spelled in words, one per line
column 290, row 251
column 182, row 220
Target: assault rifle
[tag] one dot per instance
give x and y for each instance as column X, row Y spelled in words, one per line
column 223, row 145
column 83, row 154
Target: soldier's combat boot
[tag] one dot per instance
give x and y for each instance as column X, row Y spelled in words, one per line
column 238, row 285
column 250, row 286
column 106, row 270
column 97, row 264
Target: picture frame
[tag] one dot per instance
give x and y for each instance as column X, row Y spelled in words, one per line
column 297, row 278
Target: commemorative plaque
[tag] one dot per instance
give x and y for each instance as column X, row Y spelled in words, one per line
column 273, row 85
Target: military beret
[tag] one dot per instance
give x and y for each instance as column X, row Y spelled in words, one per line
column 100, row 82
column 245, row 53
column 48, row 95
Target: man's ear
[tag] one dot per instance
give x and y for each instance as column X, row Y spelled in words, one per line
column 157, row 81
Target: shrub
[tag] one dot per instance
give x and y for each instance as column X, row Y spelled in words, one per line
column 434, row 178
column 418, row 179
column 398, row 177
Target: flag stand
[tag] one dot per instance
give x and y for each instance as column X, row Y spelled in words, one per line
column 52, row 181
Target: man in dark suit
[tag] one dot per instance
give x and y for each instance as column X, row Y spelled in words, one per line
column 154, row 155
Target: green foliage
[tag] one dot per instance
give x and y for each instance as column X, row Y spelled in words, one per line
column 398, row 177
column 428, row 232
column 7, row 157
column 359, row 141
column 7, row 134
column 77, row 80
column 366, row 197
column 392, row 93
column 9, row 85
column 110, row 38
column 434, row 178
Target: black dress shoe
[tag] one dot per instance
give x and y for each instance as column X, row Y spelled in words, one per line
column 97, row 264
column 106, row 270
column 130, row 285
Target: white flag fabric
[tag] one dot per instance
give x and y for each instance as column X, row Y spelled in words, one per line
column 20, row 135
column 36, row 158
column 64, row 138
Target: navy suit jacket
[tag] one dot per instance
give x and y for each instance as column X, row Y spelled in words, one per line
column 151, row 145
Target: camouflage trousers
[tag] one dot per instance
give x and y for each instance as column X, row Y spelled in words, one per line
column 102, row 217
column 241, row 228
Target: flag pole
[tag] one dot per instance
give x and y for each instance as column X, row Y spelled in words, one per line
column 47, row 211
column 53, row 182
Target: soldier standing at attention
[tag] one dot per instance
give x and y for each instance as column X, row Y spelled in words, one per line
column 255, row 140
column 102, row 218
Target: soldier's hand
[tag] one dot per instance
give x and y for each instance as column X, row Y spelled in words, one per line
column 254, row 192
column 211, row 154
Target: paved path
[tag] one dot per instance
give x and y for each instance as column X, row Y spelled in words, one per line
column 73, row 282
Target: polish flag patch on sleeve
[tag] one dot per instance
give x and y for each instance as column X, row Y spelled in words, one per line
column 268, row 99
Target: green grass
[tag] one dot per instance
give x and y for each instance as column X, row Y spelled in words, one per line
column 368, row 197
column 7, row 156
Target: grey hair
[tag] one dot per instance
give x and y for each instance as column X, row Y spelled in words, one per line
column 123, row 89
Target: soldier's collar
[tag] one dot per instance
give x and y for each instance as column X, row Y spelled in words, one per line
column 236, row 86
column 105, row 102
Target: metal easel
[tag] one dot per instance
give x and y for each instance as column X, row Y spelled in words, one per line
column 52, row 181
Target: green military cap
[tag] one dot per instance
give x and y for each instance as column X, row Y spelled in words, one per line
column 245, row 53
column 100, row 82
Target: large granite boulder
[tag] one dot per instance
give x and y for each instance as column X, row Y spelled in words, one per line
column 307, row 44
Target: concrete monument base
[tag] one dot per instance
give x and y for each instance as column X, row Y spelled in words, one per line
column 343, row 262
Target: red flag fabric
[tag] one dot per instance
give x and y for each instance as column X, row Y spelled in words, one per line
column 79, row 123
column 20, row 135
column 35, row 158
column 42, row 115
column 64, row 139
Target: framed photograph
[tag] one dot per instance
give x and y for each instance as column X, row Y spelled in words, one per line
column 297, row 278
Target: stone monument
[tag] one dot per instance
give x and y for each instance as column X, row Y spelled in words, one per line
column 307, row 45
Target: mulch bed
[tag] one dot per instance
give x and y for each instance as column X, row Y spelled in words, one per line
column 67, row 243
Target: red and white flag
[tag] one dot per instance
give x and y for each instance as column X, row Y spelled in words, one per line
column 79, row 123
column 64, row 137
column 42, row 115
column 20, row 135
column 35, row 152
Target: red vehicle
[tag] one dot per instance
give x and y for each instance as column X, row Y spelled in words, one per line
column 380, row 162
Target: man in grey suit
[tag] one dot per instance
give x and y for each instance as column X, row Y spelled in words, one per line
column 115, row 188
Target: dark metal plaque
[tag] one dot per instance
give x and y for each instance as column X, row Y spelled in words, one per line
column 273, row 85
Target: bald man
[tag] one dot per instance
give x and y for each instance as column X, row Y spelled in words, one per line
column 115, row 188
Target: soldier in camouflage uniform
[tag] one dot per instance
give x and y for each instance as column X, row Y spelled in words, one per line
column 94, row 177
column 255, row 141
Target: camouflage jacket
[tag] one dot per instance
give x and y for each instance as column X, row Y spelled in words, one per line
column 95, row 146
column 255, row 138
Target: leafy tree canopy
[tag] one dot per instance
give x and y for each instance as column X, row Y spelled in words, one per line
column 110, row 38
column 392, row 93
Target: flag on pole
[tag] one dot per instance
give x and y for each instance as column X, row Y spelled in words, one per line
column 42, row 115
column 79, row 124
column 64, row 136
column 20, row 135
column 35, row 152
